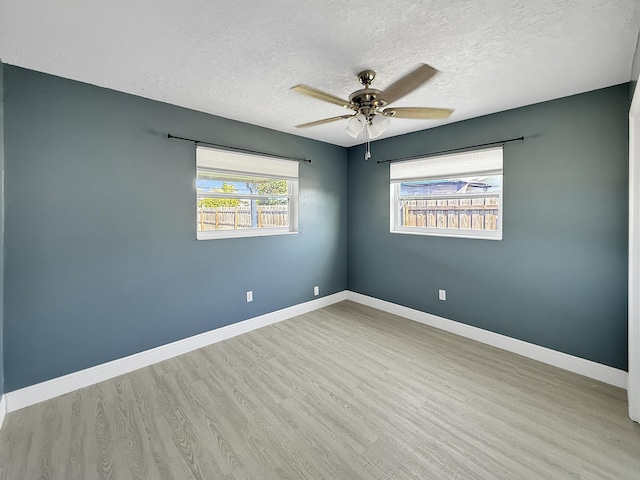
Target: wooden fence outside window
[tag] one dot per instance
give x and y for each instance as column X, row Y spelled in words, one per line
column 240, row 217
column 451, row 213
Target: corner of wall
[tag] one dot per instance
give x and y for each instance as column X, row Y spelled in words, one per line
column 1, row 234
column 635, row 70
column 3, row 409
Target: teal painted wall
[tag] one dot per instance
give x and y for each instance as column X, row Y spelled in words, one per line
column 101, row 256
column 559, row 276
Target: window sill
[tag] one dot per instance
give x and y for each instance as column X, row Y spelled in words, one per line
column 452, row 234
column 222, row 234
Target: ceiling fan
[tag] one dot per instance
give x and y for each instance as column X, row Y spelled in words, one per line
column 368, row 104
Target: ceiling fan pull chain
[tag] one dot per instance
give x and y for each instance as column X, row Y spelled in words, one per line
column 367, row 154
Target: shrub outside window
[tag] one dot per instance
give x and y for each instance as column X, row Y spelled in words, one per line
column 242, row 195
column 457, row 195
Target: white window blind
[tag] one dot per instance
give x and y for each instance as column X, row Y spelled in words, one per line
column 228, row 161
column 487, row 161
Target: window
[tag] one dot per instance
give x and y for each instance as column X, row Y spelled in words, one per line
column 244, row 195
column 458, row 195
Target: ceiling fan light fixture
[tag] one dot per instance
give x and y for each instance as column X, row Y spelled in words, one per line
column 377, row 126
column 356, row 125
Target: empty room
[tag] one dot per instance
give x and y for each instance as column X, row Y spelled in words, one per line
column 319, row 240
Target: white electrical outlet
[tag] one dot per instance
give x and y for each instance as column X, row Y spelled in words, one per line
column 249, row 296
column 316, row 290
column 442, row 294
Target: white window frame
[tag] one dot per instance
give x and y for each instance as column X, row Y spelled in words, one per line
column 225, row 161
column 456, row 165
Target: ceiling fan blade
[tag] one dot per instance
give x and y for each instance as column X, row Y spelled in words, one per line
column 320, row 95
column 417, row 112
column 408, row 83
column 323, row 121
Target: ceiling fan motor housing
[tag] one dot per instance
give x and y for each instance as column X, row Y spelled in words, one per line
column 367, row 100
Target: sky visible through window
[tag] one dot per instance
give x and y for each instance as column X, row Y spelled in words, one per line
column 208, row 182
column 448, row 186
column 207, row 185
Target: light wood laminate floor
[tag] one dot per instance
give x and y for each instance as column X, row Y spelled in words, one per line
column 346, row 392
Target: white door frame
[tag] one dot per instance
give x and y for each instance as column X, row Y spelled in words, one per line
column 633, row 389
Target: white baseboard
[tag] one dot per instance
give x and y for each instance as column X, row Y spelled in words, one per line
column 33, row 394
column 68, row 383
column 3, row 409
column 597, row 371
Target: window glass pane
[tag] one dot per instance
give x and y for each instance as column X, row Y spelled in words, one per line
column 477, row 213
column 449, row 186
column 218, row 182
column 241, row 214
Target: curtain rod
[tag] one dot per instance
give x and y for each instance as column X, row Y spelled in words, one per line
column 236, row 149
column 415, row 157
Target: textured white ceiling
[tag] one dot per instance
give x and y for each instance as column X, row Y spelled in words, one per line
column 238, row 59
